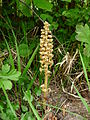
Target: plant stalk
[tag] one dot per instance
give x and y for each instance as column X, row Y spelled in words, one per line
column 8, row 101
column 46, row 83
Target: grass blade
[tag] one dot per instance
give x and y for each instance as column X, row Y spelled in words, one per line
column 30, row 61
column 32, row 107
column 85, row 72
column 82, row 99
column 32, row 81
column 8, row 101
column 10, row 54
column 18, row 59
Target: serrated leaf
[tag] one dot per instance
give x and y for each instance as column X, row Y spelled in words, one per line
column 83, row 33
column 43, row 4
column 7, row 84
column 5, row 68
column 14, row 76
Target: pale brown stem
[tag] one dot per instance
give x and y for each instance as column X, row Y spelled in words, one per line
column 45, row 83
column 46, row 77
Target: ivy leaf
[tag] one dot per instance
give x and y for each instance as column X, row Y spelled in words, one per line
column 43, row 4
column 83, row 33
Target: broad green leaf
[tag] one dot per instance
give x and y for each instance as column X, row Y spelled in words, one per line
column 83, row 33
column 7, row 84
column 43, row 4
column 24, row 9
column 12, row 75
column 5, row 68
column 24, row 50
column 87, row 50
column 6, row 74
column 46, row 17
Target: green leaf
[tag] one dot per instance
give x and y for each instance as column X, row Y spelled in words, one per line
column 86, row 62
column 7, row 84
column 24, row 108
column 46, row 17
column 27, row 116
column 28, row 96
column 24, row 9
column 85, row 72
column 13, row 75
column 5, row 68
column 24, row 50
column 83, row 33
column 82, row 99
column 30, row 61
column 87, row 50
column 66, row 0
column 43, row 4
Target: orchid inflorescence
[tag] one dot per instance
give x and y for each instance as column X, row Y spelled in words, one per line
column 46, row 49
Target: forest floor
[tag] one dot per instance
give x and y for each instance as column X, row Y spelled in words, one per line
column 68, row 107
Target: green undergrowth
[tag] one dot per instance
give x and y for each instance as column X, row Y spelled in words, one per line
column 20, row 78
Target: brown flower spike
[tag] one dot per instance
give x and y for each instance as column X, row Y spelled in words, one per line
column 46, row 49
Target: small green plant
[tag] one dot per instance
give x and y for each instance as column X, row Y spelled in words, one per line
column 6, row 75
column 28, row 97
column 83, row 35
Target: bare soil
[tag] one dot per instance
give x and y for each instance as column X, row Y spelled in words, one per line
column 72, row 108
